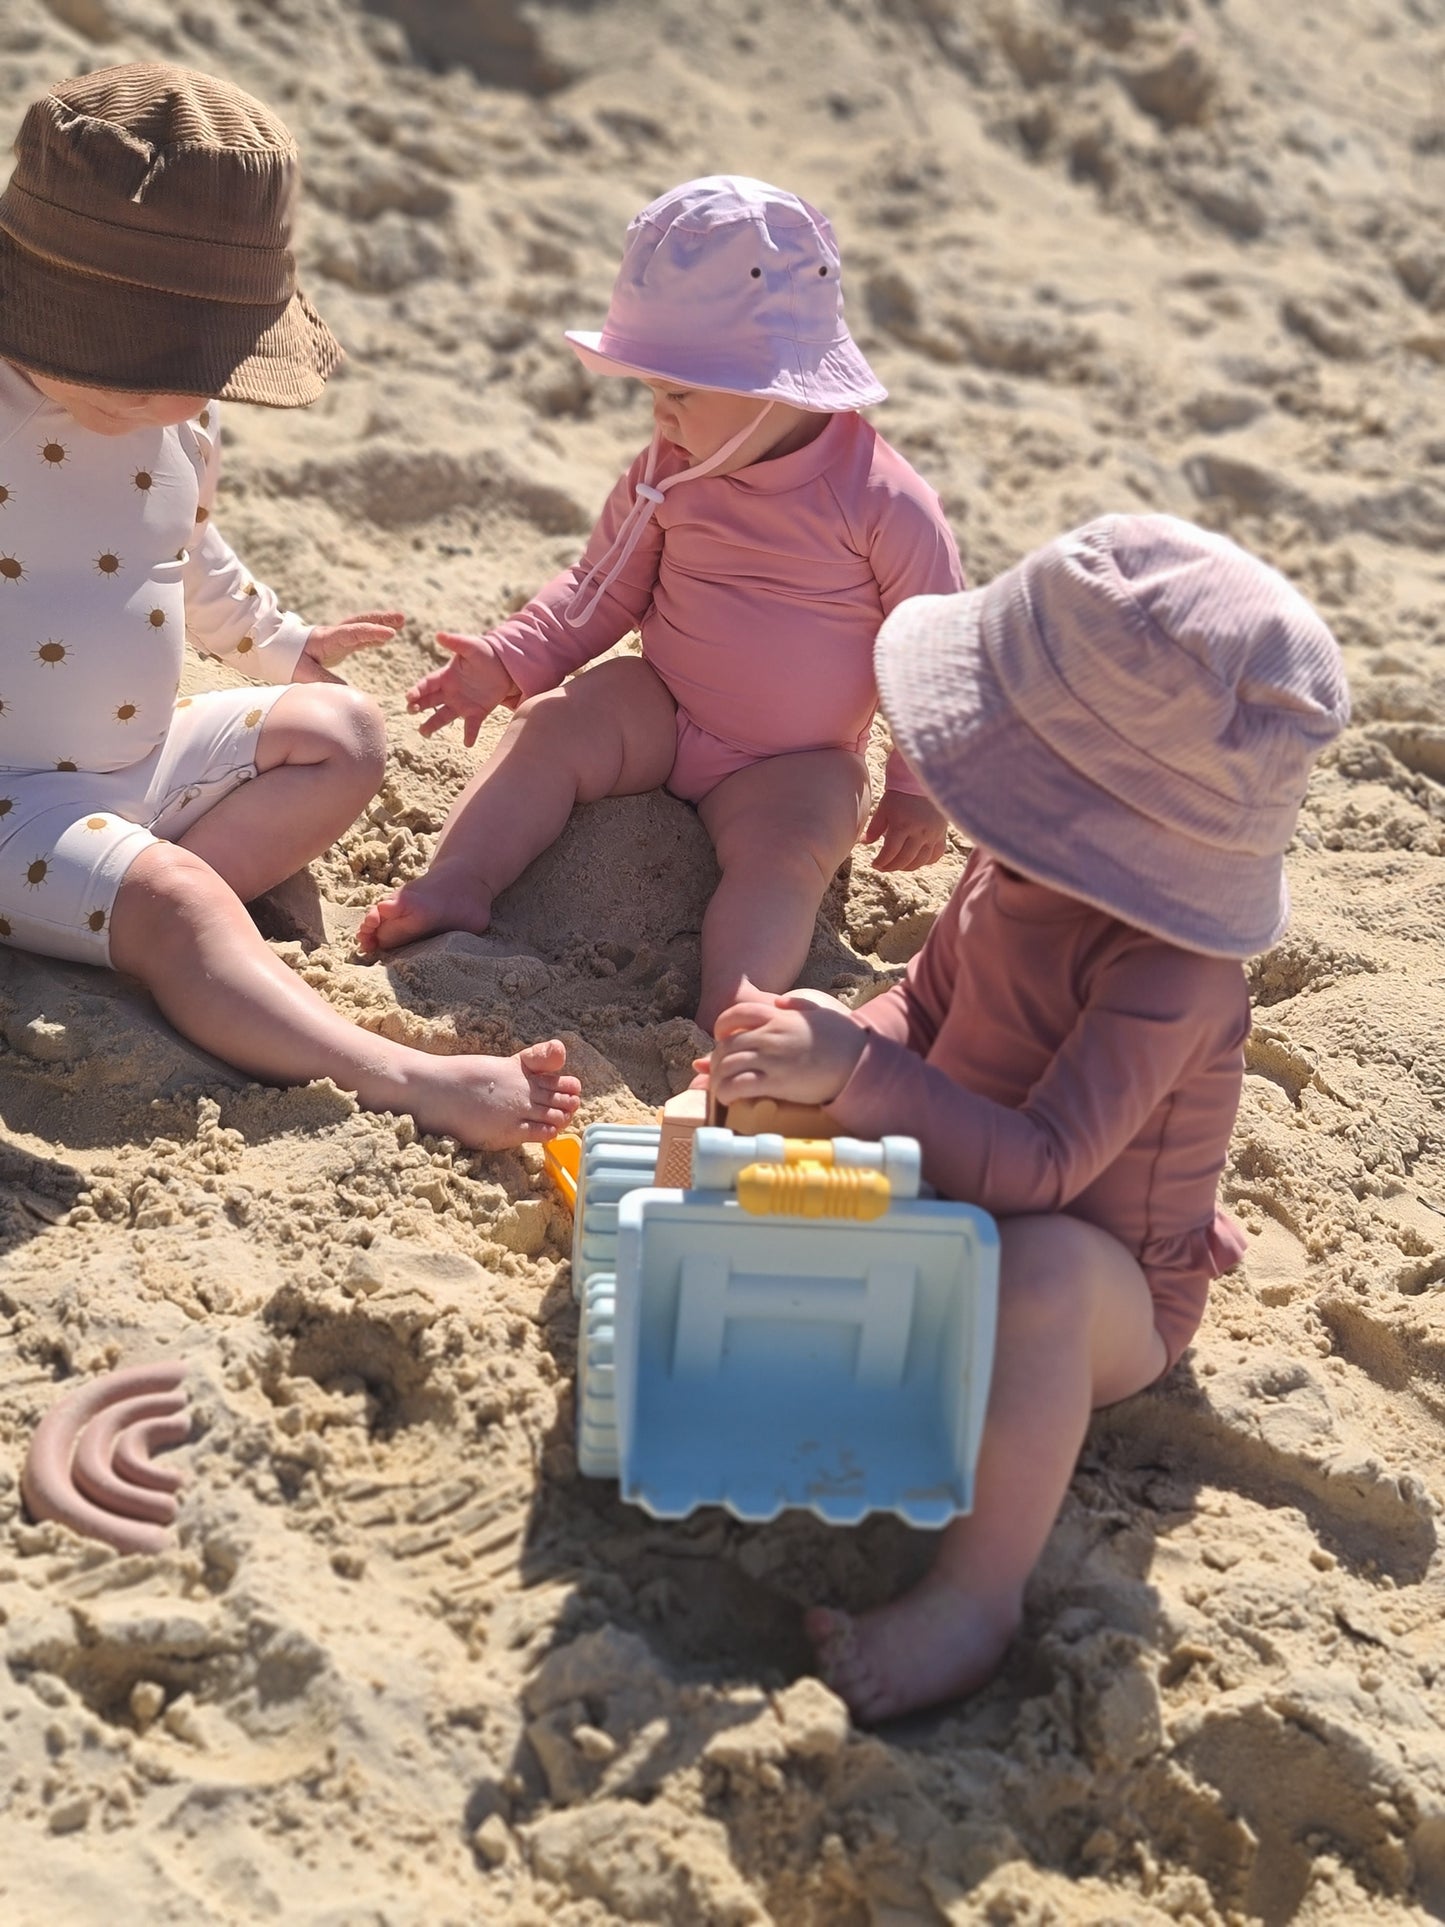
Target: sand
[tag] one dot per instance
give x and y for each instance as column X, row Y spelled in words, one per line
column 404, row 1665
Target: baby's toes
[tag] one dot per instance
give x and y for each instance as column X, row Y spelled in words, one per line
column 553, row 1107
column 835, row 1640
column 544, row 1059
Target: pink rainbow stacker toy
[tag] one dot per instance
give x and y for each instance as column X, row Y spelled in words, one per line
column 91, row 1466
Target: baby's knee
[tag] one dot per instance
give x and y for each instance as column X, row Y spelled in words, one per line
column 1069, row 1280
column 553, row 710
column 1040, row 1289
column 358, row 725
column 342, row 724
column 759, row 846
column 165, row 891
column 168, row 876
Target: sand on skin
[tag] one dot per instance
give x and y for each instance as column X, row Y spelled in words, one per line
column 404, row 1665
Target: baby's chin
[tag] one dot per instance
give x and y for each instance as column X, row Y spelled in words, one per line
column 102, row 424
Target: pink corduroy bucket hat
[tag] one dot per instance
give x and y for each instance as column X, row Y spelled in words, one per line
column 1129, row 716
column 727, row 283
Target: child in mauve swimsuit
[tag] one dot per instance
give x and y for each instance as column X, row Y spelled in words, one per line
column 1123, row 725
column 755, row 545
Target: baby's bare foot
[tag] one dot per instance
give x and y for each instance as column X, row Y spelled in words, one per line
column 490, row 1103
column 419, row 909
column 934, row 1643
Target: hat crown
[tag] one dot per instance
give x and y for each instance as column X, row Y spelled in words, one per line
column 729, row 255
column 1201, row 663
column 145, row 241
column 729, row 283
column 157, row 149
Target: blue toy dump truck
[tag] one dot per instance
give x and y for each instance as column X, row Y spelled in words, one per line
column 792, row 1325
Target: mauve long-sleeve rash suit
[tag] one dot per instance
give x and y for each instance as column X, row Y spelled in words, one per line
column 758, row 594
column 1051, row 1058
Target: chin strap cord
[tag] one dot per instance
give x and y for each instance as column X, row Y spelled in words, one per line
column 613, row 560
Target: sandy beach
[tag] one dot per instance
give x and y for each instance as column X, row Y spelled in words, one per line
column 404, row 1667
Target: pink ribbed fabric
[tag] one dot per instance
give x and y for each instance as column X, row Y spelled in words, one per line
column 1130, row 716
column 650, row 492
column 730, row 284
column 1049, row 1058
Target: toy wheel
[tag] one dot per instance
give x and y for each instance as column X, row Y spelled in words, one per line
column 597, row 1456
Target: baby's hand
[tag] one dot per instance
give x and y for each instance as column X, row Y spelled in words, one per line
column 466, row 690
column 914, row 831
column 784, row 1047
column 331, row 643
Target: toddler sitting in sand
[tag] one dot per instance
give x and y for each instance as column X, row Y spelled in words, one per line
column 757, row 589
column 145, row 268
column 1124, row 725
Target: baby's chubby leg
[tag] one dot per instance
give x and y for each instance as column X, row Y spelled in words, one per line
column 1075, row 1331
column 181, row 930
column 610, row 731
column 780, row 827
column 319, row 759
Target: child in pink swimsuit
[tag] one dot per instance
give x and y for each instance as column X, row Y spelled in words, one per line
column 757, row 589
column 1123, row 725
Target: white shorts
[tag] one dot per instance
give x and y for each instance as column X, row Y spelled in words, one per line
column 67, row 837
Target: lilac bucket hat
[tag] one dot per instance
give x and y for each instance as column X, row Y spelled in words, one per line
column 1128, row 716
column 727, row 283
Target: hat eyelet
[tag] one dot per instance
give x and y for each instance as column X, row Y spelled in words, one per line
column 823, row 270
column 756, row 273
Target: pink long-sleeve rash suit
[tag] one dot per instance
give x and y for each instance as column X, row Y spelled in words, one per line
column 758, row 594
column 1050, row 1058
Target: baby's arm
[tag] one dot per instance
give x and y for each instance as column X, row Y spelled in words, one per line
column 1150, row 1015
column 770, row 1046
column 539, row 647
column 784, row 1047
column 232, row 615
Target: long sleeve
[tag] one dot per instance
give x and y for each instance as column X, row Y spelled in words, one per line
column 538, row 645
column 1133, row 1041
column 228, row 612
column 912, row 552
column 911, row 1013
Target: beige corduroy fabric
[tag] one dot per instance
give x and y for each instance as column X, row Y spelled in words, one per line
column 145, row 242
column 1129, row 716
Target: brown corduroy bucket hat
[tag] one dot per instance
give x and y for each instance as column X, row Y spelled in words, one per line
column 145, row 242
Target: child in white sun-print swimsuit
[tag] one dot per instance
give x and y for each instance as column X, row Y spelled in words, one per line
column 146, row 268
column 108, row 556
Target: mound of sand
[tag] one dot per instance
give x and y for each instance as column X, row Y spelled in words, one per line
column 406, row 1666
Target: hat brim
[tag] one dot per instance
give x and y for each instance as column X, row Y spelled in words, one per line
column 102, row 333
column 1010, row 791
column 841, row 380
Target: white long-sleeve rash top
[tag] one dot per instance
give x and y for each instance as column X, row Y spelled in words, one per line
column 108, row 557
